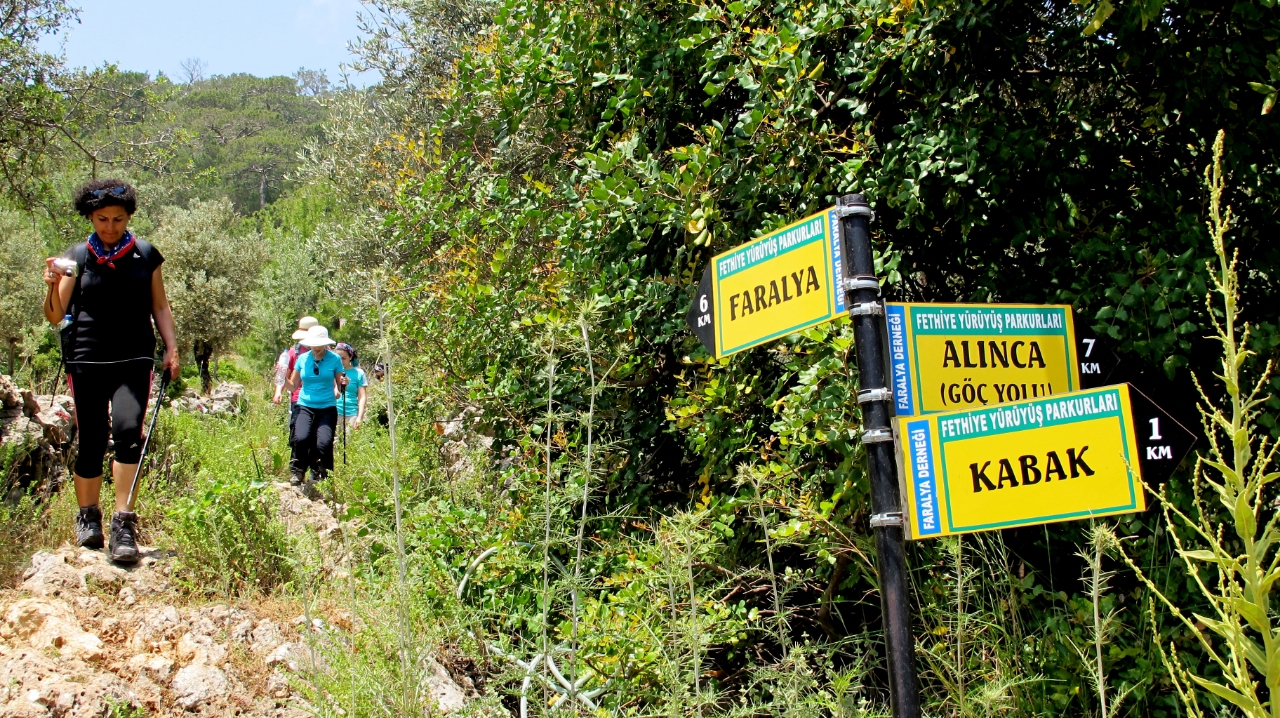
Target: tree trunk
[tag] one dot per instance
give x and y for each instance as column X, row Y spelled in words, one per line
column 262, row 189
column 13, row 350
column 203, row 353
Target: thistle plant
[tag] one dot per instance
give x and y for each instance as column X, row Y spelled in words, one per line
column 1102, row 542
column 1228, row 548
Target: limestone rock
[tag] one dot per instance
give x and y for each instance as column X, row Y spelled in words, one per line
column 196, row 648
column 198, row 684
column 446, row 694
column 157, row 668
column 228, row 398
column 49, row 575
column 56, row 415
column 51, row 624
column 286, row 655
column 10, row 394
column 265, row 637
column 302, row 515
column 157, row 628
column 101, row 577
column 242, row 631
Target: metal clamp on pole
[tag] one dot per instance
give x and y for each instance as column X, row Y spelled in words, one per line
column 853, row 284
column 844, row 210
column 869, row 395
column 890, row 519
column 867, row 309
column 877, row 436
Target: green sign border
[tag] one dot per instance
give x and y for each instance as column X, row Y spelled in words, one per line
column 1068, row 342
column 828, row 238
column 1124, row 439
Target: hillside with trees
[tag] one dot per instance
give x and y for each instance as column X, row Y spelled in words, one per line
column 562, row 500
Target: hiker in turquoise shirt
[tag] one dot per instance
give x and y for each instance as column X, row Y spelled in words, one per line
column 352, row 402
column 321, row 376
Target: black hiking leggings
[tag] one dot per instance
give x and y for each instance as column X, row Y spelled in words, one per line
column 313, row 439
column 110, row 402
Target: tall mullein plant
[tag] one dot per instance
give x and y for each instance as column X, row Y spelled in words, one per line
column 1229, row 549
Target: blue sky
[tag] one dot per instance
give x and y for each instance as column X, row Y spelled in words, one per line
column 260, row 37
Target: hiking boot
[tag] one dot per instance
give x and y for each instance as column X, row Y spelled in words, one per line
column 297, row 477
column 89, row 527
column 310, row 489
column 124, row 537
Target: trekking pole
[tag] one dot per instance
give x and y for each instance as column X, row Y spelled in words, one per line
column 344, row 426
column 164, row 384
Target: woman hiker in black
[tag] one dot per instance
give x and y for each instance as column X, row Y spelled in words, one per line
column 110, row 298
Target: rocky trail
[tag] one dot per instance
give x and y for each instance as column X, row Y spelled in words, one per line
column 83, row 637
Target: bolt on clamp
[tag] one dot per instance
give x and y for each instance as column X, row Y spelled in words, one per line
column 844, row 210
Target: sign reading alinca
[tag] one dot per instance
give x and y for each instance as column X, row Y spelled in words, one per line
column 945, row 357
column 783, row 282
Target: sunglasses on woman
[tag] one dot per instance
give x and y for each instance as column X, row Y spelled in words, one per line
column 117, row 191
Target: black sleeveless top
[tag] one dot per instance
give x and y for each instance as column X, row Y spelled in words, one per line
column 111, row 308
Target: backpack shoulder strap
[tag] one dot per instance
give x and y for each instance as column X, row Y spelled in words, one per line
column 80, row 253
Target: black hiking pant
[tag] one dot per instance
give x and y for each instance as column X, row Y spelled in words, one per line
column 313, row 439
column 110, row 401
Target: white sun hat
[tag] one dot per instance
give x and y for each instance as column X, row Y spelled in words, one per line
column 305, row 324
column 316, row 336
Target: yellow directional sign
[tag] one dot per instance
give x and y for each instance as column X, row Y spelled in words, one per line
column 1069, row 456
column 780, row 283
column 945, row 357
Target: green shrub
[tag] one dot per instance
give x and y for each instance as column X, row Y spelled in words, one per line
column 227, row 537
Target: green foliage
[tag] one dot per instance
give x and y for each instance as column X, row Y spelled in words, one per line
column 228, row 537
column 1228, row 546
column 211, row 271
column 246, row 135
column 21, row 287
column 218, row 504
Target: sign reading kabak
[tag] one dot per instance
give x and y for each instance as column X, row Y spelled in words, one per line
column 945, row 357
column 1064, row 457
column 783, row 282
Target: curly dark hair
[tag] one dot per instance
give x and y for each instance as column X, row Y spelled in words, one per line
column 86, row 202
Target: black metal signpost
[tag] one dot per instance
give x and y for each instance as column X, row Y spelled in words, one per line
column 875, row 397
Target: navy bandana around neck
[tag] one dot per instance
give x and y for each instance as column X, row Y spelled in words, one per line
column 108, row 257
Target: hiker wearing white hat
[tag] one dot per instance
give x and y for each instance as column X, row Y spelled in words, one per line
column 284, row 368
column 319, row 377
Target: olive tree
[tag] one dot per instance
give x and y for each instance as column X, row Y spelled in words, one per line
column 211, row 271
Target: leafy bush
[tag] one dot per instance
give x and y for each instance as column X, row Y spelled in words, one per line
column 209, row 484
column 228, row 538
column 22, row 254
